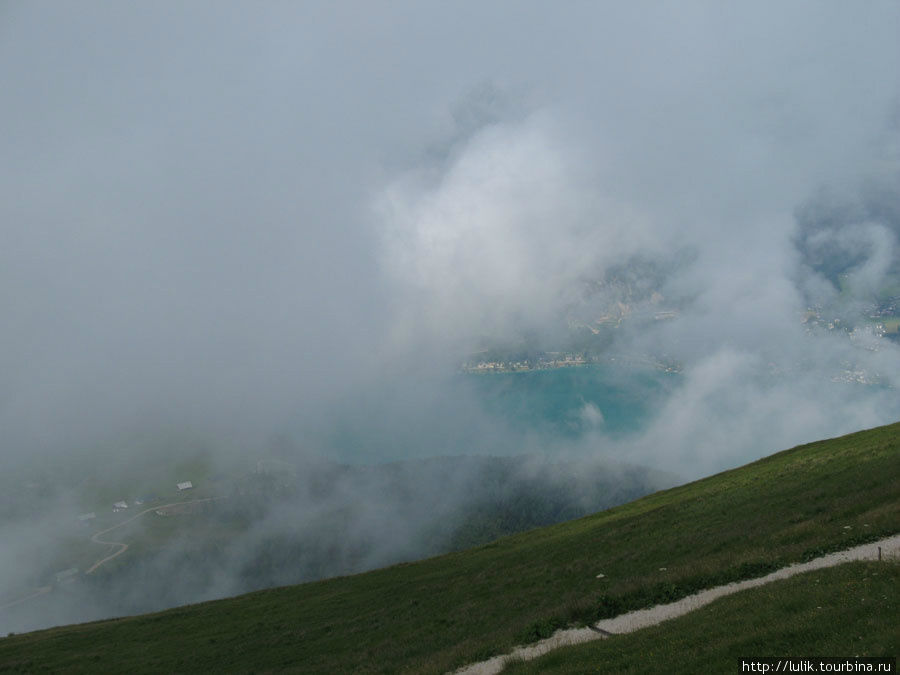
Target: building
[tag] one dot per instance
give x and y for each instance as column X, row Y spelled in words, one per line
column 186, row 485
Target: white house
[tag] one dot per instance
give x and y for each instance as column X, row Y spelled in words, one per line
column 120, row 505
column 186, row 485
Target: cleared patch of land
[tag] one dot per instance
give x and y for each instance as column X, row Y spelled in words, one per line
column 120, row 547
column 442, row 613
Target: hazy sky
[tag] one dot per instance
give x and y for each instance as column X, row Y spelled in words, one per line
column 230, row 215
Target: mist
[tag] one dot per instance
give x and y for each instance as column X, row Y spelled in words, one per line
column 234, row 232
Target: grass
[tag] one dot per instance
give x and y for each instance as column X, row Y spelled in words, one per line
column 849, row 610
column 437, row 614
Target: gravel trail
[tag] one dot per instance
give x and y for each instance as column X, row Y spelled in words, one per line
column 632, row 621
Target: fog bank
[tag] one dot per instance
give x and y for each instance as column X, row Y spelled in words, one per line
column 233, row 223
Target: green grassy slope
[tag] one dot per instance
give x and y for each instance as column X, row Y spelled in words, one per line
column 437, row 614
column 849, row 610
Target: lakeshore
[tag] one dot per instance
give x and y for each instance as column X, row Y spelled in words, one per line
column 556, row 360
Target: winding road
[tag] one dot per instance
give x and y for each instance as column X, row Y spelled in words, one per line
column 40, row 591
column 122, row 545
column 119, row 546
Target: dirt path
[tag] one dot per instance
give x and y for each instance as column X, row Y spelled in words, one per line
column 632, row 621
column 122, row 545
column 40, row 591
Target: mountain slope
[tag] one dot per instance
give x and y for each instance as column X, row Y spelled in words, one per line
column 847, row 610
column 440, row 613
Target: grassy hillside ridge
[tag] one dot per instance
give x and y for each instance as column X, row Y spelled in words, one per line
column 440, row 613
column 848, row 610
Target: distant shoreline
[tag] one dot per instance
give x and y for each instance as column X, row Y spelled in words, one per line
column 495, row 367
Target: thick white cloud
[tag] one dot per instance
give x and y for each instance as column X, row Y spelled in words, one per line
column 498, row 238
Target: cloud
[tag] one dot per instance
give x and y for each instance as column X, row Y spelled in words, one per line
column 591, row 416
column 229, row 222
column 499, row 236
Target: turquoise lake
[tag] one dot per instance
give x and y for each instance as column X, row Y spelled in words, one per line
column 494, row 413
column 555, row 400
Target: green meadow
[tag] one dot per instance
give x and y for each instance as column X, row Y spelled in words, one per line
column 437, row 614
column 848, row 610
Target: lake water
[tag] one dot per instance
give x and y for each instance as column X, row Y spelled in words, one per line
column 571, row 401
column 493, row 413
